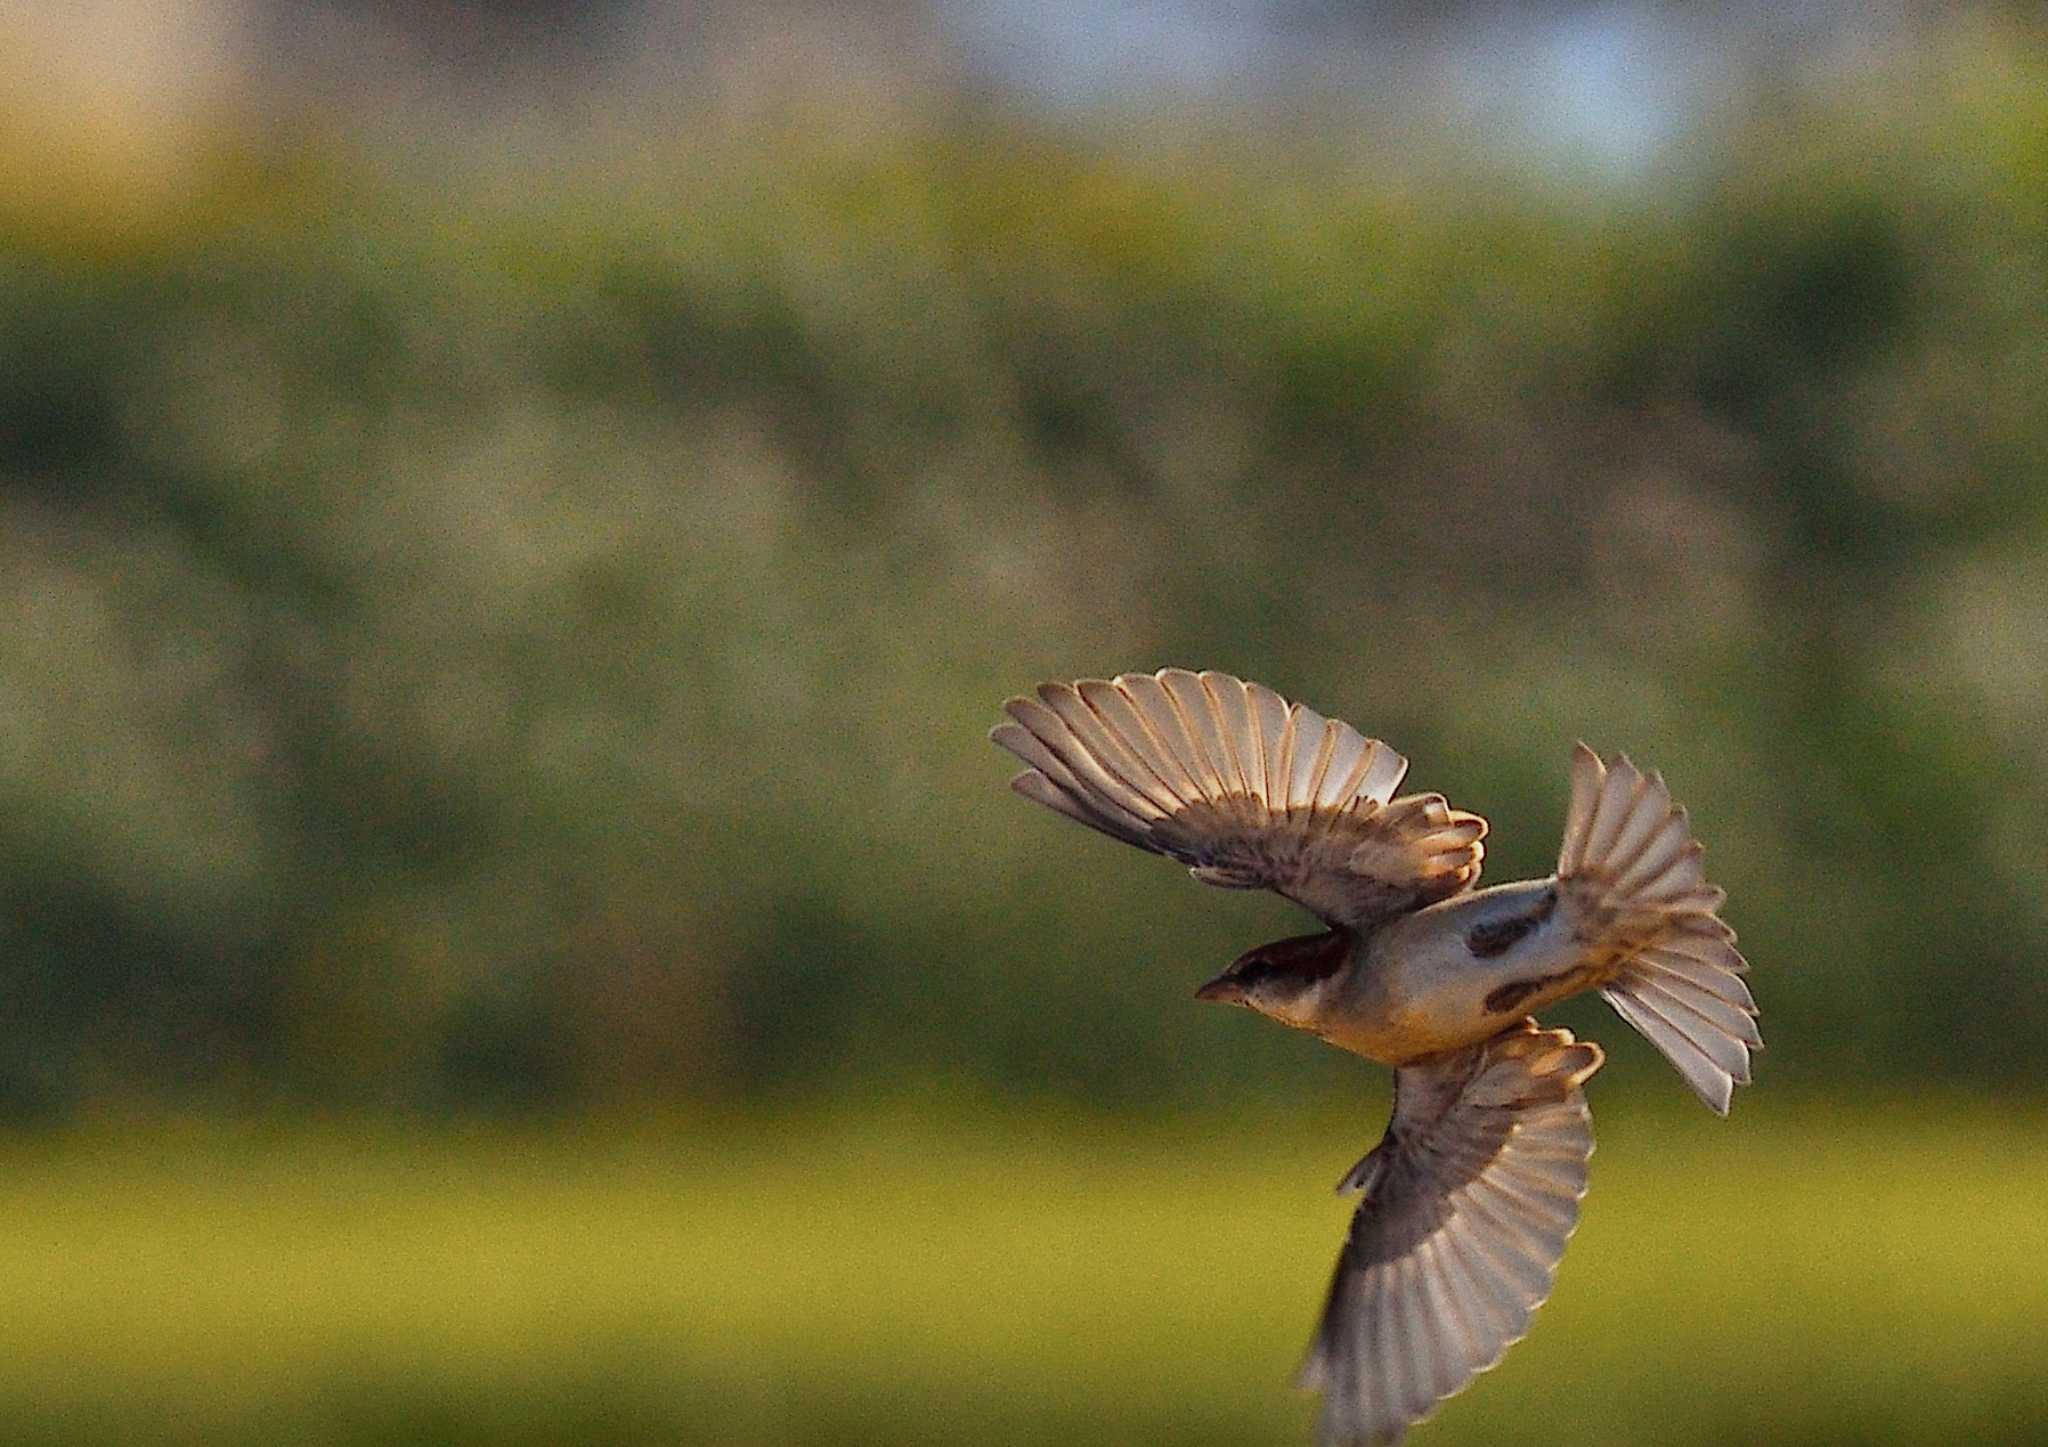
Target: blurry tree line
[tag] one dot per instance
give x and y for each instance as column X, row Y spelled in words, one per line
column 526, row 640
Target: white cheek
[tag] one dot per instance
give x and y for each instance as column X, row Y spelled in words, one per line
column 1310, row 1005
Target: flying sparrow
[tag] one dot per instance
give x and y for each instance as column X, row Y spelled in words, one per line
column 1469, row 1197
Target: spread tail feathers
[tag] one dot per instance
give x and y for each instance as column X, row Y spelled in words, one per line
column 1630, row 872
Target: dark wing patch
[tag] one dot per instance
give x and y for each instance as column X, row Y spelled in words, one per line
column 1497, row 937
column 1510, row 997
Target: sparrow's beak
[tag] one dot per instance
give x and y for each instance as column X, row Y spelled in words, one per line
column 1224, row 990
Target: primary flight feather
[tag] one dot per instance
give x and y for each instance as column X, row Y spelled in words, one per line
column 1467, row 1201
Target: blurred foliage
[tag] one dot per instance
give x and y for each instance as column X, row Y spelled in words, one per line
column 525, row 638
column 983, row 1278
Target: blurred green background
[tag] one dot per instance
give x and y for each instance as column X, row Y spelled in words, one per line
column 514, row 524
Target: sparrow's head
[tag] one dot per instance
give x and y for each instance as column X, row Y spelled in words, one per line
column 1287, row 980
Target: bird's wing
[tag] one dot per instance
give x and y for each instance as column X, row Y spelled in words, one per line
column 1469, row 1199
column 1244, row 788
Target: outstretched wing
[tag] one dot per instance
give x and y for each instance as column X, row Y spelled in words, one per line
column 1244, row 788
column 1469, row 1200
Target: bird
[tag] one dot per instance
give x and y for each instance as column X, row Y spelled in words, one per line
column 1468, row 1199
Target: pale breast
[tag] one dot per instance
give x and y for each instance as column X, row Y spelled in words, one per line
column 1457, row 973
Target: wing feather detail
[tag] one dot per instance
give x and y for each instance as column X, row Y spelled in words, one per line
column 1245, row 789
column 1469, row 1201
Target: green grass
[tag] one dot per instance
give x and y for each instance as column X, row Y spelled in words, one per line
column 1800, row 1273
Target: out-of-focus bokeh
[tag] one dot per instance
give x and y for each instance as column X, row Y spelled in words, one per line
column 514, row 522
